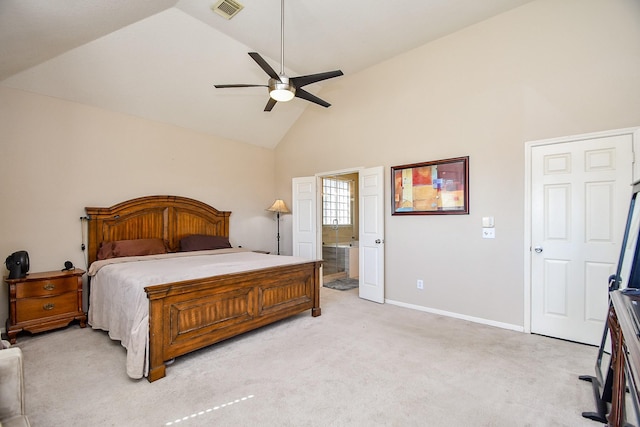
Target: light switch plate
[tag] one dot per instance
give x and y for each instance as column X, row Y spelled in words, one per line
column 487, row 221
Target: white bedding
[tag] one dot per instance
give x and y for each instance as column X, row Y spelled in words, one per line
column 119, row 304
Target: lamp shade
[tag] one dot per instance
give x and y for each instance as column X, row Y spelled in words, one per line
column 279, row 206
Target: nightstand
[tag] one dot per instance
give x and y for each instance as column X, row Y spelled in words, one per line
column 44, row 301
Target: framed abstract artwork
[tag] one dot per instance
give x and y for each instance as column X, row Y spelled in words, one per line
column 440, row 187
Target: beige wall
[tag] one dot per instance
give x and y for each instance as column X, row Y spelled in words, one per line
column 58, row 157
column 547, row 69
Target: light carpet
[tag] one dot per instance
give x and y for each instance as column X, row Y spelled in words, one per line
column 359, row 364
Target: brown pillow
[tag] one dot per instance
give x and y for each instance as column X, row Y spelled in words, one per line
column 136, row 247
column 200, row 242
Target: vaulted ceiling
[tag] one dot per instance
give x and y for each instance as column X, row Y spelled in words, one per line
column 159, row 59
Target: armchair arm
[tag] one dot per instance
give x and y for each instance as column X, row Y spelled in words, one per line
column 11, row 383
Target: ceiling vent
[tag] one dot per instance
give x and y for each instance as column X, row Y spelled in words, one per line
column 227, row 8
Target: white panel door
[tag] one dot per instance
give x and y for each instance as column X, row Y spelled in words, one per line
column 579, row 198
column 371, row 286
column 304, row 217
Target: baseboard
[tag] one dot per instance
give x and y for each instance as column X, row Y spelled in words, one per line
column 502, row 325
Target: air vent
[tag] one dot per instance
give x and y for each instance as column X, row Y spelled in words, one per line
column 227, row 8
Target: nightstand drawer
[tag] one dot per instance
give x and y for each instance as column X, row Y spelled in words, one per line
column 46, row 287
column 37, row 308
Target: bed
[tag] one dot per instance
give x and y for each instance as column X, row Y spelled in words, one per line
column 191, row 307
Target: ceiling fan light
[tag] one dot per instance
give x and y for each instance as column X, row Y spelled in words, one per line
column 281, row 90
column 281, row 95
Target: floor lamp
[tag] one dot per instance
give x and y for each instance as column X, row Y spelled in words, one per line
column 279, row 207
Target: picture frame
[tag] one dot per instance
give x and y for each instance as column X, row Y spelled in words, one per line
column 438, row 187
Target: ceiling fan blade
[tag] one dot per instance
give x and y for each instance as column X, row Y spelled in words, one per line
column 239, row 85
column 264, row 65
column 313, row 78
column 301, row 93
column 270, row 104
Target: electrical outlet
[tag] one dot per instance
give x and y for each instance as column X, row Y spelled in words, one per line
column 420, row 284
column 488, row 233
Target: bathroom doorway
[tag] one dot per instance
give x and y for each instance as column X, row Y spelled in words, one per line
column 340, row 228
column 368, row 216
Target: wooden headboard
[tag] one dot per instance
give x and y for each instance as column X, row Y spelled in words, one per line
column 165, row 217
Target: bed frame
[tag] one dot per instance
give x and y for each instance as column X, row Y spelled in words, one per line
column 189, row 315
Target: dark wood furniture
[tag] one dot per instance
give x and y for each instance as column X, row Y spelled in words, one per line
column 189, row 315
column 625, row 358
column 44, row 301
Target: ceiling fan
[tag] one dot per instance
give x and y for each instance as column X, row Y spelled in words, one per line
column 281, row 87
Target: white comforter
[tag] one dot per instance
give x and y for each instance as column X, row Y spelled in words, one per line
column 119, row 304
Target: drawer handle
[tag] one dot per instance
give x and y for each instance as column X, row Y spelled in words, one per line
column 48, row 306
column 49, row 286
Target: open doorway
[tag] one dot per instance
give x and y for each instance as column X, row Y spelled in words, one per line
column 340, row 230
column 368, row 212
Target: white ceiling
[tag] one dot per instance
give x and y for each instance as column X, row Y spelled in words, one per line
column 159, row 59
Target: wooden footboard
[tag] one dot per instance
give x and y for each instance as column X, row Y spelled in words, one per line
column 186, row 316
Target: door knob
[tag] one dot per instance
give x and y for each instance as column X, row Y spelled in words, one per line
column 378, row 241
column 538, row 249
